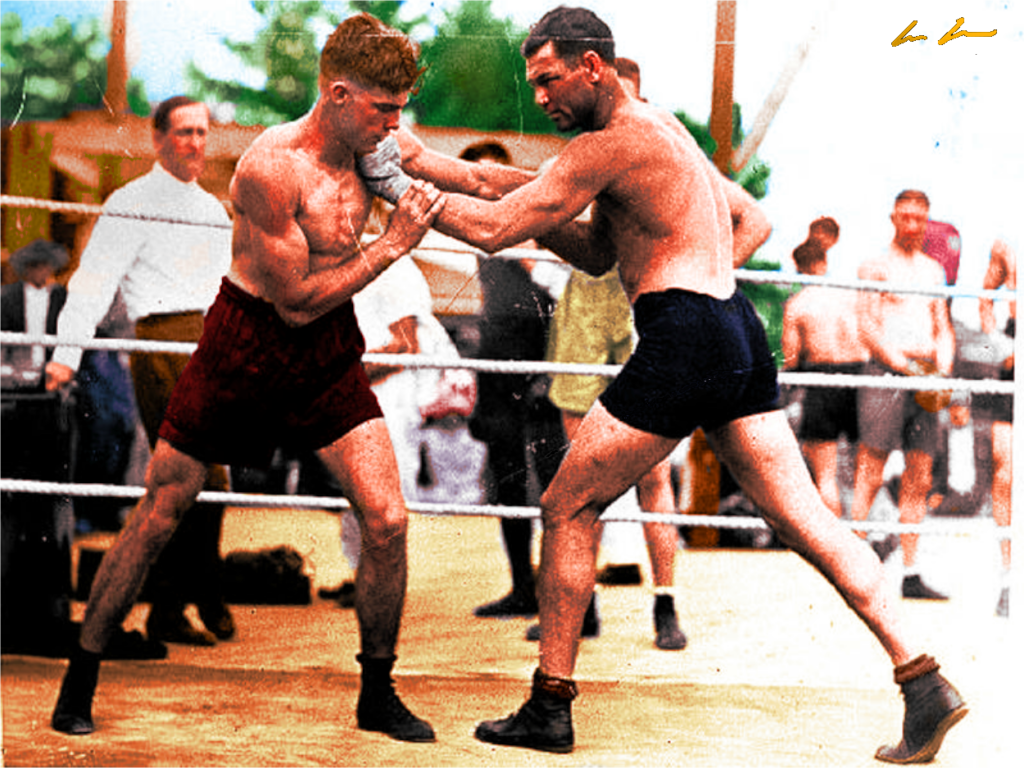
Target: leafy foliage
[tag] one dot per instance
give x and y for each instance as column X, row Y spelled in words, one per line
column 475, row 76
column 56, row 69
column 286, row 50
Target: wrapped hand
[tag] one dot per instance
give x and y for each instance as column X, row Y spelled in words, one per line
column 382, row 170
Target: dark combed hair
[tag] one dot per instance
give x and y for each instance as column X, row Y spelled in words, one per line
column 486, row 150
column 370, row 52
column 807, row 254
column 573, row 31
column 827, row 225
column 913, row 195
column 162, row 114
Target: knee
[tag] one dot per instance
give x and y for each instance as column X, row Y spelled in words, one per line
column 384, row 528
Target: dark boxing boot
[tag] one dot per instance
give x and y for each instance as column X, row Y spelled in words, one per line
column 73, row 713
column 544, row 722
column 932, row 707
column 379, row 708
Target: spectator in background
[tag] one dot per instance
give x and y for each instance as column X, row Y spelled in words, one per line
column 820, row 335
column 906, row 335
column 824, row 231
column 32, row 304
column 512, row 416
column 168, row 274
column 1001, row 272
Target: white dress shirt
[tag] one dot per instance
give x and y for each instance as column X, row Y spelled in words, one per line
column 160, row 267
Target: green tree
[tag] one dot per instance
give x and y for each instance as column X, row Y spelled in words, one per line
column 286, row 50
column 475, row 76
column 56, row 69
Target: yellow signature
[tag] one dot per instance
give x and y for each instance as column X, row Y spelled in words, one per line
column 953, row 34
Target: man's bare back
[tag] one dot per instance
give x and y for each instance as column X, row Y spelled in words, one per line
column 824, row 321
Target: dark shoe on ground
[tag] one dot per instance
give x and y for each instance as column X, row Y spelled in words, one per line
column 932, row 707
column 1003, row 606
column 176, row 628
column 885, row 547
column 667, row 634
column 512, row 604
column 620, row 575
column 73, row 712
column 544, row 723
column 381, row 711
column 218, row 620
column 915, row 589
column 591, row 624
column 344, row 594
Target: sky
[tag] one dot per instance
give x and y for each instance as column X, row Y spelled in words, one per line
column 861, row 121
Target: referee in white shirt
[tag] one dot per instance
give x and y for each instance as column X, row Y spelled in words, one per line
column 169, row 272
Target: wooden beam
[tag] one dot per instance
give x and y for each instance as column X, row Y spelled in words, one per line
column 720, row 124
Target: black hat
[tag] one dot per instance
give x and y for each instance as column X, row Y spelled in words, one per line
column 40, row 252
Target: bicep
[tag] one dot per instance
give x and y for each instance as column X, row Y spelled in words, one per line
column 272, row 237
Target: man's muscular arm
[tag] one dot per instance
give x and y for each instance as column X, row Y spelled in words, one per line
column 997, row 273
column 489, row 181
column 278, row 256
column 750, row 227
column 544, row 210
column 398, row 158
column 792, row 336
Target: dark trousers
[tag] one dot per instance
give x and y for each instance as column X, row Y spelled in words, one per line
column 189, row 570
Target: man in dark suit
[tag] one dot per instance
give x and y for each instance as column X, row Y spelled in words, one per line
column 35, row 533
column 32, row 304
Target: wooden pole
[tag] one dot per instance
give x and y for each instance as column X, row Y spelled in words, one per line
column 720, row 124
column 116, row 97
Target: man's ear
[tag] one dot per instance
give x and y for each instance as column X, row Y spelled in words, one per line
column 339, row 91
column 593, row 63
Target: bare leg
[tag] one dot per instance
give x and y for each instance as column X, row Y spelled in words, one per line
column 173, row 481
column 823, row 458
column 765, row 459
column 654, row 493
column 365, row 465
column 605, row 459
column 1002, row 481
column 870, row 465
column 913, row 504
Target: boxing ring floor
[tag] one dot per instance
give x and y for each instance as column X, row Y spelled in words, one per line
column 777, row 673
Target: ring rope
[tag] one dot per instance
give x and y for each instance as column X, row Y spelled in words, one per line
column 506, row 366
column 335, row 503
column 742, row 275
column 791, row 378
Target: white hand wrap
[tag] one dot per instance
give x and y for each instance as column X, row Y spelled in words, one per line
column 382, row 170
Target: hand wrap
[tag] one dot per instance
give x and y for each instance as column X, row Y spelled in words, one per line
column 382, row 171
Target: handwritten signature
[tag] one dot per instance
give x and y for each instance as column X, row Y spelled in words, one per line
column 906, row 37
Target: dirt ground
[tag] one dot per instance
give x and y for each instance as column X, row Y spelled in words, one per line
column 777, row 673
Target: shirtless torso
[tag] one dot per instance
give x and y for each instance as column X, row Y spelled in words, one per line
column 662, row 212
column 300, row 210
column 899, row 327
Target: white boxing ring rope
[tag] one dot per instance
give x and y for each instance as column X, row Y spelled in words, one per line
column 933, row 527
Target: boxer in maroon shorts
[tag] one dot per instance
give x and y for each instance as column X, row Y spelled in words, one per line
column 255, row 383
column 279, row 359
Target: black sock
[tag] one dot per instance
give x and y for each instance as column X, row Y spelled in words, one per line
column 376, row 672
column 79, row 684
